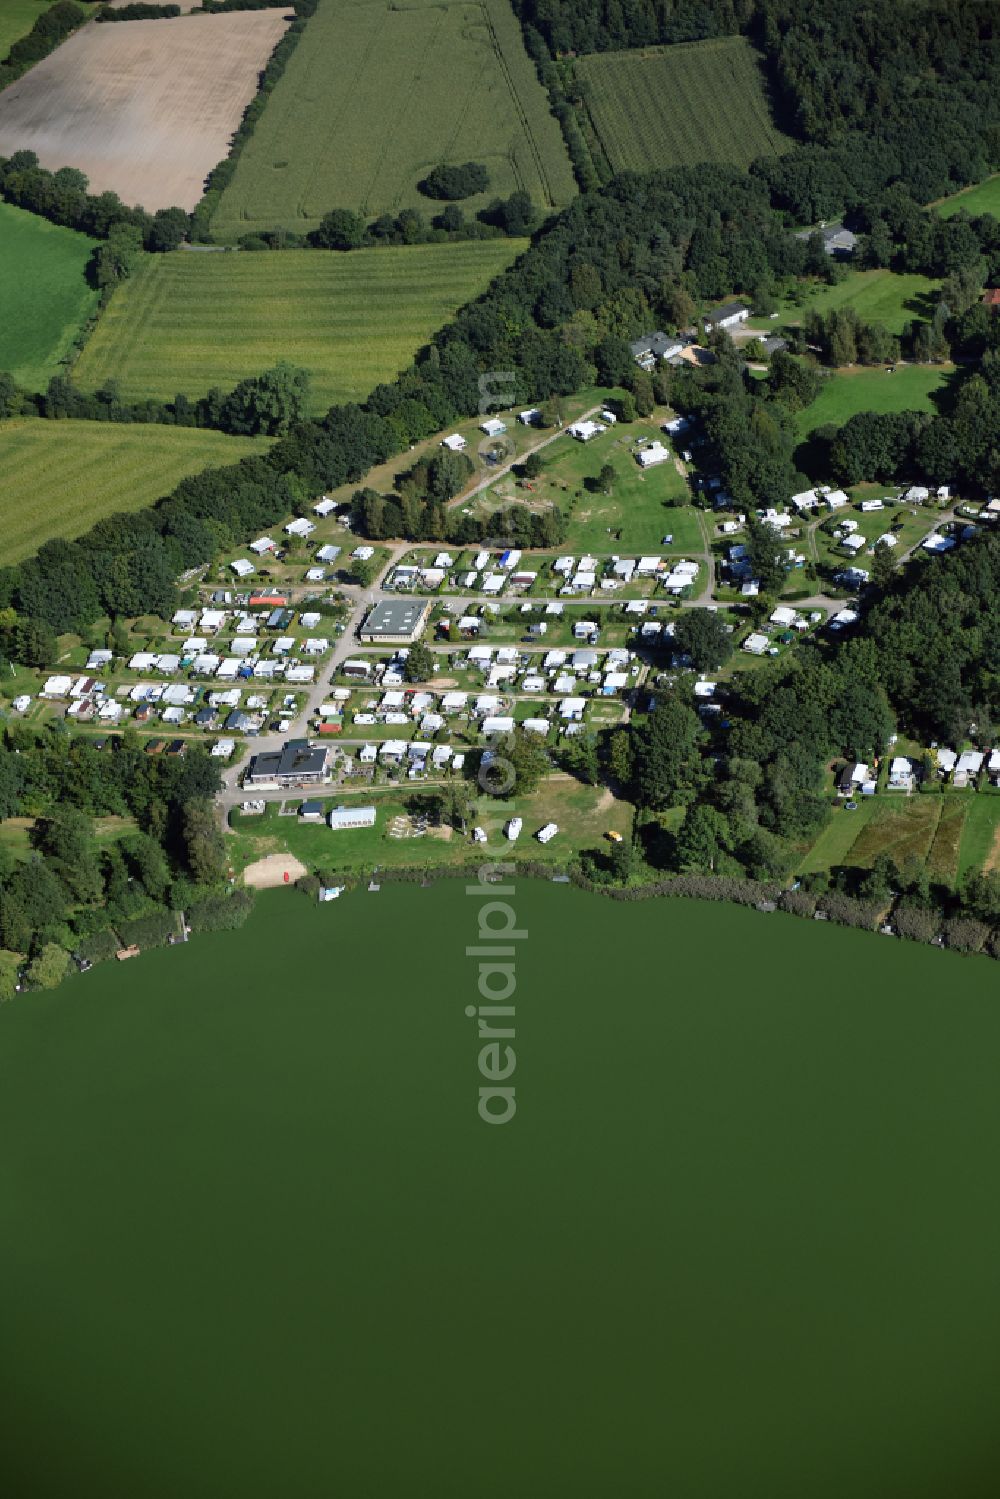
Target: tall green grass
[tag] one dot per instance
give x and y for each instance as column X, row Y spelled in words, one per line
column 375, row 95
column 44, row 296
column 59, row 478
column 680, row 105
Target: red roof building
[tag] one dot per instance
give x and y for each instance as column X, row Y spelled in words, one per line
column 991, row 296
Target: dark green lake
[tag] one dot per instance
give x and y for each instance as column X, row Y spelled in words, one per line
column 741, row 1240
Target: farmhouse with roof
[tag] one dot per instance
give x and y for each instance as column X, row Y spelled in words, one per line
column 652, row 347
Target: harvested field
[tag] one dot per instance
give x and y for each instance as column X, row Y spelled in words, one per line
column 188, row 321
column 144, row 108
column 375, row 95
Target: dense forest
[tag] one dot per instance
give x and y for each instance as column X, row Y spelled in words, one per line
column 876, row 92
column 754, row 786
column 80, row 895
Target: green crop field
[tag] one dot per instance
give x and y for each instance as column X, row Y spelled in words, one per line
column 675, row 106
column 844, row 394
column 17, row 18
column 983, row 198
column 58, row 478
column 375, row 95
column 187, row 322
column 44, row 295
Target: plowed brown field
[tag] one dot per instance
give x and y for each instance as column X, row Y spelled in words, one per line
column 145, row 108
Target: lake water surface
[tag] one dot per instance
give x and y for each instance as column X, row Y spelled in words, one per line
column 740, row 1241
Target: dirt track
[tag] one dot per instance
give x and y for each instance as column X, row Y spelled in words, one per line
column 144, row 108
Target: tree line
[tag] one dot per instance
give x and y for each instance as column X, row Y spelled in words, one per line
column 139, row 12
column 222, row 174
column 63, row 198
column 268, row 404
column 52, row 27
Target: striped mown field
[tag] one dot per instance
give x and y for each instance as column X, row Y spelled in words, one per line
column 680, row 105
column 58, row 478
column 188, row 321
column 375, row 95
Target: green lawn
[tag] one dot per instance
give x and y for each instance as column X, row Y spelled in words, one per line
column 44, row 296
column 910, row 527
column 847, row 392
column 979, row 835
column 641, row 508
column 17, row 18
column 58, row 478
column 679, row 105
column 186, row 322
column 983, row 198
column 583, row 813
column 375, row 95
column 876, row 296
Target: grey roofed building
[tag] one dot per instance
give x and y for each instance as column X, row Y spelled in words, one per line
column 396, row 620
column 653, row 346
column 774, row 344
column 836, row 239
column 237, row 722
column 295, row 763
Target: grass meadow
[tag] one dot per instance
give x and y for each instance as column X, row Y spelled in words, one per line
column 876, row 296
column 983, row 198
column 375, row 95
column 17, row 18
column 44, row 295
column 583, row 813
column 679, row 105
column 979, row 848
column 58, row 478
column 187, row 322
column 912, row 388
column 638, row 511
